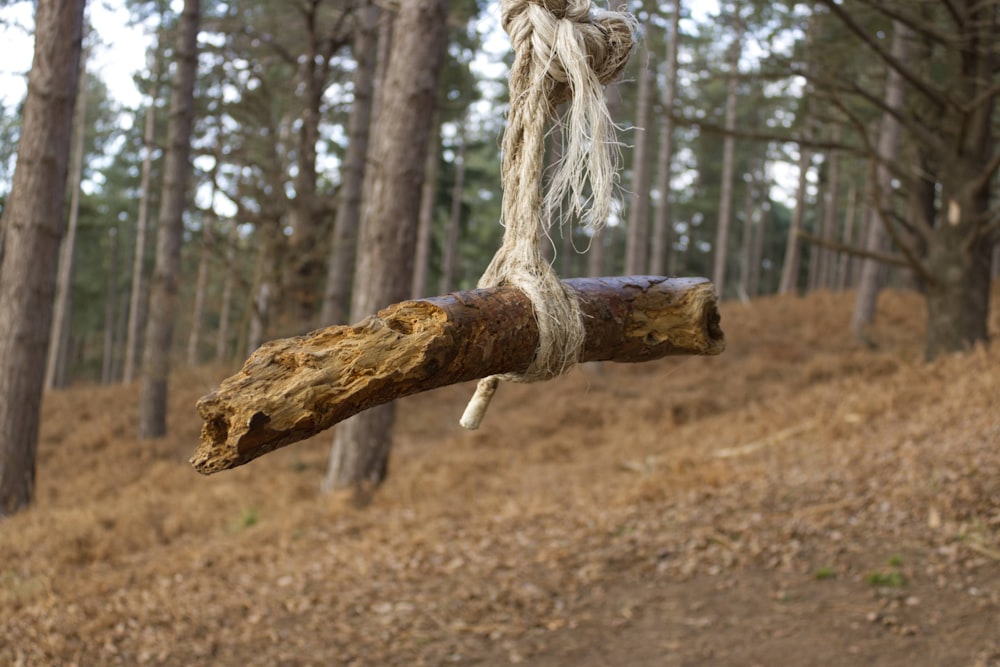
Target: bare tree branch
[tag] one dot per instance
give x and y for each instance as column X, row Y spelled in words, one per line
column 759, row 135
column 885, row 258
column 931, row 92
column 956, row 15
column 915, row 23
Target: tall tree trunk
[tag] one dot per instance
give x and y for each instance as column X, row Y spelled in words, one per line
column 746, row 252
column 449, row 265
column 659, row 259
column 261, row 296
column 360, row 453
column 110, row 306
column 58, row 352
column 888, row 146
column 843, row 278
column 201, row 285
column 596, row 254
column 790, row 267
column 863, row 219
column 428, row 201
column 757, row 257
column 728, row 146
column 33, row 225
column 305, row 263
column 959, row 254
column 826, row 272
column 166, row 274
column 337, row 295
column 225, row 309
column 139, row 297
column 636, row 244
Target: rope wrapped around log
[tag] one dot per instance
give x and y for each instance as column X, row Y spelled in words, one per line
column 293, row 388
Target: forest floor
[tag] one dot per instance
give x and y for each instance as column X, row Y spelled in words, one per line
column 802, row 499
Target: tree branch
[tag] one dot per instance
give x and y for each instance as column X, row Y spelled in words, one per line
column 915, row 23
column 291, row 389
column 885, row 258
column 934, row 95
column 758, row 135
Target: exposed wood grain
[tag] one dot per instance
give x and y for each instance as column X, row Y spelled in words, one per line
column 291, row 389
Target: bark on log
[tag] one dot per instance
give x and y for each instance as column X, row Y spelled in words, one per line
column 291, row 389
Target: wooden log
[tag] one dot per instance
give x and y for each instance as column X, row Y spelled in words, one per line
column 291, row 389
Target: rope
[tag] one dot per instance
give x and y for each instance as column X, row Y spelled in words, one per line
column 563, row 51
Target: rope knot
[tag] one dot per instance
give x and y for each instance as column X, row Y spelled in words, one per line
column 560, row 32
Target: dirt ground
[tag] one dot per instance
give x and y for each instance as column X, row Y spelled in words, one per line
column 801, row 500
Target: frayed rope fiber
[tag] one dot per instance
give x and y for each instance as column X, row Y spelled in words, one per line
column 564, row 51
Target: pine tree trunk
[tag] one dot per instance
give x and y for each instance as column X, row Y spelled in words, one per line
column 33, row 225
column 831, row 212
column 746, row 252
column 57, row 356
column 790, row 267
column 637, row 242
column 659, row 257
column 428, row 201
column 201, row 285
column 596, row 253
column 261, row 297
column 757, row 257
column 110, row 306
column 888, row 146
column 449, row 267
column 340, row 272
column 958, row 301
column 359, row 457
column 139, row 297
column 304, row 262
column 843, row 280
column 728, row 147
column 166, row 274
column 226, row 307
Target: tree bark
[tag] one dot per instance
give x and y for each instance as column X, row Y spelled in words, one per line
column 659, row 255
column 337, row 295
column 428, row 205
column 293, row 388
column 888, row 146
column 728, row 147
column 826, row 271
column 637, row 241
column 200, row 287
column 449, row 265
column 843, row 280
column 166, row 274
column 110, row 308
column 226, row 307
column 59, row 339
column 389, row 225
column 793, row 250
column 305, row 263
column 139, row 297
column 33, row 225
column 747, row 245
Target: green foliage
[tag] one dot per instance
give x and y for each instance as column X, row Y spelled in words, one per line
column 825, row 572
column 247, row 519
column 886, row 579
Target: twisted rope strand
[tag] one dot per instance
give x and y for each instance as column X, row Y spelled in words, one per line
column 563, row 51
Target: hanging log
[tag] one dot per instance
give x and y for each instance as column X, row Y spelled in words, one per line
column 291, row 389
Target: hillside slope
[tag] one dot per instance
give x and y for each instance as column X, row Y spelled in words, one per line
column 801, row 499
